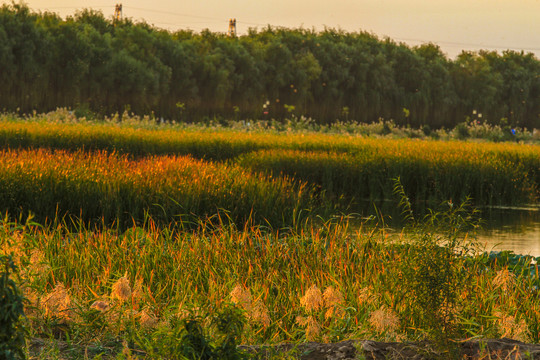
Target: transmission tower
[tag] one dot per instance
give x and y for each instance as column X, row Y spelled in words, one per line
column 117, row 13
column 232, row 28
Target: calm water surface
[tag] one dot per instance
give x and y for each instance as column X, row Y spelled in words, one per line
column 515, row 229
column 503, row 228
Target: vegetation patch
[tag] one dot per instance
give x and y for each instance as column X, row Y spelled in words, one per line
column 350, row 167
column 105, row 188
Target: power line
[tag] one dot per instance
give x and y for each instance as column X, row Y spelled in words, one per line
column 224, row 20
column 453, row 43
column 76, row 7
column 176, row 14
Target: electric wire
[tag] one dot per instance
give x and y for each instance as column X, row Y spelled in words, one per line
column 216, row 20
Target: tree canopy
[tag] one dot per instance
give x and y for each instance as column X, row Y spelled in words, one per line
column 89, row 61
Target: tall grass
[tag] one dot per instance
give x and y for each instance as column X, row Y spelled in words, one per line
column 491, row 173
column 112, row 189
column 431, row 172
column 327, row 283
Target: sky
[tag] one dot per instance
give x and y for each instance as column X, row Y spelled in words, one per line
column 454, row 25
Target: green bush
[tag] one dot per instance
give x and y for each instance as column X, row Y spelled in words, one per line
column 462, row 131
column 190, row 340
column 12, row 334
column 432, row 275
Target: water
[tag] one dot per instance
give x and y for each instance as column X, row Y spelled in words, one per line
column 503, row 228
column 516, row 229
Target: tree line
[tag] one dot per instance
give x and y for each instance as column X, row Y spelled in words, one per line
column 89, row 62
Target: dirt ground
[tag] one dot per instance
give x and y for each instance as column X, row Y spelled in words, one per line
column 493, row 349
column 366, row 349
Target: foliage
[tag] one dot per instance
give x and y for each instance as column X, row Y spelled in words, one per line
column 86, row 62
column 338, row 164
column 432, row 275
column 12, row 334
column 190, row 340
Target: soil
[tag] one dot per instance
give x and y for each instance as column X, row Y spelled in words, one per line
column 373, row 350
column 492, row 349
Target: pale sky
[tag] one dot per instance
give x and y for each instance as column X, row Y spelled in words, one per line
column 454, row 25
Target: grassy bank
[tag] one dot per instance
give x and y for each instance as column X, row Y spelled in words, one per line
column 353, row 166
column 140, row 227
column 326, row 284
column 430, row 171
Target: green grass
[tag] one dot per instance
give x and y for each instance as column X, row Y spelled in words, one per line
column 327, row 283
column 430, row 171
column 352, row 166
column 106, row 188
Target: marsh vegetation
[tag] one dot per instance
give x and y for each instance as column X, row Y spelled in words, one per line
column 129, row 236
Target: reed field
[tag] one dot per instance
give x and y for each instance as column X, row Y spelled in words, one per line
column 123, row 231
column 352, row 168
column 101, row 187
column 321, row 284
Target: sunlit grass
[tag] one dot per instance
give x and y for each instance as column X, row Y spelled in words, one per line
column 140, row 226
column 354, row 166
column 327, row 283
column 106, row 188
column 430, row 171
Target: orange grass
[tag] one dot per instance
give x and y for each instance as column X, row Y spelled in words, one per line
column 108, row 188
column 350, row 165
column 323, row 284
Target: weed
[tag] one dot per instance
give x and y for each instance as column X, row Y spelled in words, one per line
column 432, row 274
column 190, row 340
column 12, row 332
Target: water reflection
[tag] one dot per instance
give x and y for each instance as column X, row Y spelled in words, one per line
column 515, row 229
column 503, row 228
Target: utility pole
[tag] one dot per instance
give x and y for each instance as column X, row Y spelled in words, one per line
column 232, row 28
column 117, row 13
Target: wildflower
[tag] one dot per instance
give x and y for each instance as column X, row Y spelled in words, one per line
column 101, row 306
column 333, row 299
column 256, row 310
column 504, row 280
column 260, row 314
column 58, row 303
column 121, row 289
column 312, row 326
column 241, row 297
column 365, row 295
column 384, row 319
column 511, row 327
column 38, row 262
column 147, row 320
column 312, row 300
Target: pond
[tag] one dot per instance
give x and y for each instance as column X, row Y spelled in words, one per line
column 503, row 228
column 513, row 228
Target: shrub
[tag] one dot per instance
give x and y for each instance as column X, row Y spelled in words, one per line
column 462, row 131
column 190, row 340
column 12, row 340
column 432, row 274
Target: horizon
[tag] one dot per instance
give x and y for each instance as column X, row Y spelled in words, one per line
column 454, row 26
